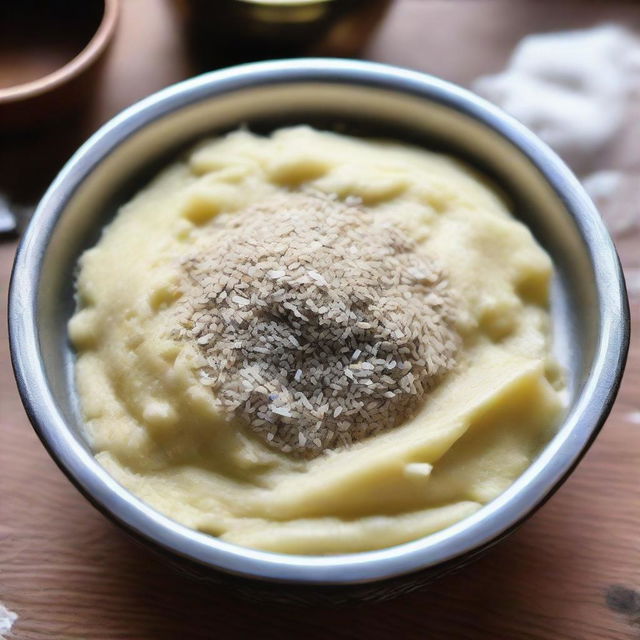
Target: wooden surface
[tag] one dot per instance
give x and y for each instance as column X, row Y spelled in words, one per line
column 571, row 571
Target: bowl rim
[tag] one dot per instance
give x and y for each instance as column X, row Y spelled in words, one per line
column 90, row 52
column 493, row 520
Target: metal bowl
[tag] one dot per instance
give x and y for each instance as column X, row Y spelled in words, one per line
column 589, row 303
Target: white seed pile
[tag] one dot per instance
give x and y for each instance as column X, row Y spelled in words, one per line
column 318, row 324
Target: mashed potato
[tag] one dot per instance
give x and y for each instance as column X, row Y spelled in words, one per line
column 156, row 428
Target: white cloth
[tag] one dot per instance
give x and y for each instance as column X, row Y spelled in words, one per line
column 571, row 88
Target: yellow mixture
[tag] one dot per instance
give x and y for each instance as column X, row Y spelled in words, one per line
column 158, row 430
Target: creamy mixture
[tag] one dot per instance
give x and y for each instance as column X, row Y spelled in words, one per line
column 154, row 419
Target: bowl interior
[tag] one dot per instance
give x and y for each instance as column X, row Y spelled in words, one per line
column 124, row 155
column 355, row 110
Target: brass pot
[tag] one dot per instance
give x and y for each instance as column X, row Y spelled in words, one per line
column 224, row 31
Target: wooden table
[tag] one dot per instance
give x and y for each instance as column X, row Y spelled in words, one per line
column 571, row 572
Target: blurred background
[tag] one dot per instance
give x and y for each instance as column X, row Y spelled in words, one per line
column 149, row 44
column 569, row 69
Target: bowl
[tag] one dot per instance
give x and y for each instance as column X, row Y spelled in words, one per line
column 50, row 58
column 589, row 303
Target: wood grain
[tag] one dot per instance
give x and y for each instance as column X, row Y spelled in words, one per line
column 69, row 574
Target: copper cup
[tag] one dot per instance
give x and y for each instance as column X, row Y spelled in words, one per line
column 50, row 55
